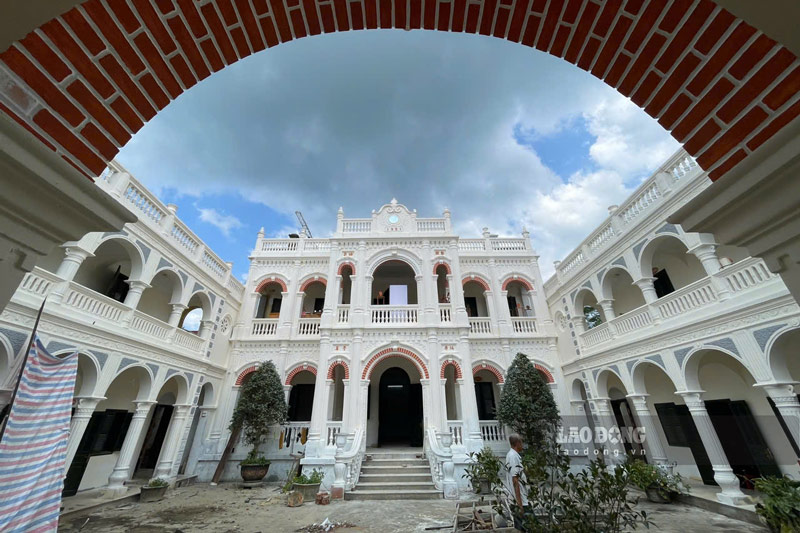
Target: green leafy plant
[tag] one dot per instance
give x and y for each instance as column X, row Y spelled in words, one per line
column 483, row 466
column 261, row 405
column 593, row 317
column 645, row 476
column 157, row 483
column 780, row 503
column 527, row 404
column 255, row 458
column 312, row 479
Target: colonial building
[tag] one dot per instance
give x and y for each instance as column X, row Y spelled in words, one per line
column 395, row 334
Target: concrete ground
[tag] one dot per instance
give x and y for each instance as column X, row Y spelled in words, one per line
column 227, row 509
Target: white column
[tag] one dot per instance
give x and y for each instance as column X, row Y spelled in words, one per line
column 135, row 293
column 286, row 390
column 84, row 409
column 74, row 256
column 206, row 327
column 648, row 290
column 171, row 441
column 437, row 411
column 608, row 309
column 652, row 439
column 579, row 323
column 469, row 403
column 175, row 314
column 125, row 462
column 786, row 402
column 707, row 254
column 605, row 416
column 316, row 442
column 723, row 473
column 354, row 414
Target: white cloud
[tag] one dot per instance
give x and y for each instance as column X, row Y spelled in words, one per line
column 354, row 119
column 225, row 223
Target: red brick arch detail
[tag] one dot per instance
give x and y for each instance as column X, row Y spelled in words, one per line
column 244, row 373
column 311, row 281
column 345, row 264
column 299, row 368
column 395, row 352
column 491, row 368
column 721, row 87
column 445, row 264
column 455, row 365
column 525, row 283
column 264, row 283
column 547, row 375
column 333, row 366
column 477, row 279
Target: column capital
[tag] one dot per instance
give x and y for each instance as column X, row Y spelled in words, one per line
column 181, row 410
column 693, row 399
column 178, row 306
column 644, row 282
column 85, row 405
column 138, row 285
column 778, row 389
column 143, row 408
column 74, row 252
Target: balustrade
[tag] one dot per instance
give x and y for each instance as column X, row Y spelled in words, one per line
column 394, row 314
column 632, row 320
column 144, row 203
column 293, row 436
column 183, row 237
column 93, row 303
column 445, row 313
column 149, row 326
column 213, row 264
column 456, row 428
column 308, row 327
column 471, row 245
column 523, row 325
column 192, row 341
column 596, row 335
column 430, row 225
column 334, row 428
column 480, row 326
column 746, row 274
column 343, row 314
column 265, row 327
column 38, row 282
column 357, row 226
column 492, row 431
column 693, row 296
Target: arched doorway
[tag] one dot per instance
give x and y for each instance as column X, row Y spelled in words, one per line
column 173, row 393
column 399, row 409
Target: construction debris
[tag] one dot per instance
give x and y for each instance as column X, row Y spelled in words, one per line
column 325, row 526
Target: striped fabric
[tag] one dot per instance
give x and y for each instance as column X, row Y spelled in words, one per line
column 34, row 446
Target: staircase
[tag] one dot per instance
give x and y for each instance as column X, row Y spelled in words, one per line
column 394, row 475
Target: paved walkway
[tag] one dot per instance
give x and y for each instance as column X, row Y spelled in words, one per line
column 227, row 509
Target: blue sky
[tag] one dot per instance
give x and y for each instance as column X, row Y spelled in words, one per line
column 502, row 135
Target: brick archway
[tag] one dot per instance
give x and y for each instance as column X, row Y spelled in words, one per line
column 299, row 368
column 455, row 365
column 477, row 279
column 396, row 352
column 244, row 373
column 332, row 369
column 548, row 376
column 491, row 368
column 307, row 283
column 269, row 281
column 346, row 264
column 86, row 81
column 519, row 279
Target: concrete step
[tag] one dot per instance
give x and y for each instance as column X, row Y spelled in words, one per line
column 389, row 470
column 396, row 462
column 394, row 485
column 393, row 495
column 406, row 456
column 382, row 478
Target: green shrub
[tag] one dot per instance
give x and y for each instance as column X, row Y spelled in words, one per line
column 645, row 476
column 157, row 483
column 527, row 404
column 261, row 404
column 483, row 466
column 312, row 479
column 255, row 458
column 780, row 503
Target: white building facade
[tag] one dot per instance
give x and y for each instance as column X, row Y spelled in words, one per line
column 396, row 332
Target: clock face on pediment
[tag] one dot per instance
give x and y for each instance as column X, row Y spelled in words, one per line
column 394, row 217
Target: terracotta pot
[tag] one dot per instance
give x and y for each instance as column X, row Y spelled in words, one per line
column 660, row 496
column 252, row 473
column 309, row 491
column 152, row 494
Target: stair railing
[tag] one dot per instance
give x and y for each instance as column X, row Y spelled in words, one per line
column 440, row 457
column 348, row 462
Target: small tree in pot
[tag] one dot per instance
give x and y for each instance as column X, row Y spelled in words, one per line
column 261, row 405
column 308, row 485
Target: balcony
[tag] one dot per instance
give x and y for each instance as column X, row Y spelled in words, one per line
column 728, row 285
column 85, row 306
column 394, row 315
column 523, row 325
column 308, row 327
column 343, row 314
column 445, row 313
column 480, row 326
column 264, row 327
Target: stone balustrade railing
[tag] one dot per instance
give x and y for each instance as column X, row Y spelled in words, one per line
column 264, row 327
column 456, row 428
column 343, row 314
column 437, row 447
column 729, row 283
column 119, row 183
column 308, row 327
column 523, row 325
column 480, row 326
column 86, row 305
column 394, row 315
column 679, row 171
column 445, row 313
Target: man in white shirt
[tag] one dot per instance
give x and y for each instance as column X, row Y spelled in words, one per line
column 514, row 474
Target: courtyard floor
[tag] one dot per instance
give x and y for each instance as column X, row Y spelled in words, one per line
column 226, row 508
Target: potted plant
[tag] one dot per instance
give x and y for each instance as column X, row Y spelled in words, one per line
column 308, row 486
column 261, row 405
column 483, row 470
column 779, row 508
column 254, row 467
column 657, row 484
column 154, row 490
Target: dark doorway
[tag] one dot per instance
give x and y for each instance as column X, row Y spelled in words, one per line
column 484, row 394
column 399, row 409
column 625, row 422
column 512, row 306
column 471, row 303
column 301, row 402
column 151, row 448
column 742, row 441
column 679, row 429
